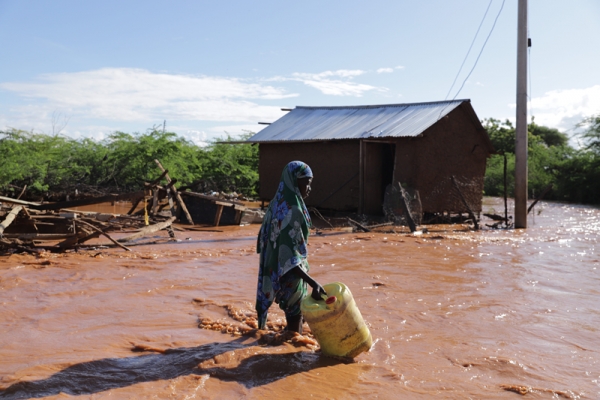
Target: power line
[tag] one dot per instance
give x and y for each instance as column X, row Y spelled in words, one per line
column 469, row 51
column 481, row 51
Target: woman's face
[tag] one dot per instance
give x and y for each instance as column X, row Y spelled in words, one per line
column 304, row 186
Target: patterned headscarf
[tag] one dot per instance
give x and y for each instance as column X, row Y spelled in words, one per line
column 282, row 238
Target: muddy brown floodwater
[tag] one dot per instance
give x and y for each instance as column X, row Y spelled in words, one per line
column 454, row 314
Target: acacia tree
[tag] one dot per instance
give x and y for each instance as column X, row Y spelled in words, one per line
column 591, row 134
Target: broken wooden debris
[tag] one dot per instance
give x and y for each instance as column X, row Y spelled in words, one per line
column 9, row 218
column 176, row 193
column 405, row 209
column 213, row 210
column 147, row 230
column 104, row 234
column 26, row 228
column 359, row 225
column 464, row 201
column 111, row 198
column 540, row 197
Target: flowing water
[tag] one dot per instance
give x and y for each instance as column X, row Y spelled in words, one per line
column 455, row 314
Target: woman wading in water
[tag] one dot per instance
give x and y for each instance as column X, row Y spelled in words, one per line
column 283, row 267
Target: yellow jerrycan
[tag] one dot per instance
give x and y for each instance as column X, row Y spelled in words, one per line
column 337, row 323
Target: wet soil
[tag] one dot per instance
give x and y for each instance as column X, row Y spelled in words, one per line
column 454, row 314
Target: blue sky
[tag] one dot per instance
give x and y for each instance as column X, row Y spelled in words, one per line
column 89, row 68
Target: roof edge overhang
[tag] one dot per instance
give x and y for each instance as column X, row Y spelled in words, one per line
column 384, row 105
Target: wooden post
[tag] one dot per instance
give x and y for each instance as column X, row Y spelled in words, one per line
column 177, row 195
column 218, row 213
column 135, row 204
column 154, row 200
column 239, row 213
column 22, row 192
column 406, row 210
column 521, row 174
column 171, row 206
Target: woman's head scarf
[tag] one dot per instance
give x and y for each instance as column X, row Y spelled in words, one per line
column 282, row 239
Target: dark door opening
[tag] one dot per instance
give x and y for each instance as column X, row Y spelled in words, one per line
column 379, row 172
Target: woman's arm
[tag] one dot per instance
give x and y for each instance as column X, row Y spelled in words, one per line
column 318, row 290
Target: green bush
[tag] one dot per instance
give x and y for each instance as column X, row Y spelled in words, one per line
column 122, row 162
column 551, row 160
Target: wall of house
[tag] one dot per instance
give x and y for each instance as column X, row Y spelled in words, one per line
column 334, row 165
column 452, row 146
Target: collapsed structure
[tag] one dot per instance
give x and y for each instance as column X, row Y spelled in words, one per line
column 434, row 149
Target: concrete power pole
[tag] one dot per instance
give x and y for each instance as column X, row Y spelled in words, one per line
column 521, row 128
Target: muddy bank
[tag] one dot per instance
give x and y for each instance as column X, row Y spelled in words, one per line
column 454, row 314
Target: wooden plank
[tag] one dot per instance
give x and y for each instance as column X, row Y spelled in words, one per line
column 177, row 196
column 154, row 202
column 147, row 230
column 10, row 218
column 17, row 201
column 212, row 198
column 39, row 236
column 218, row 214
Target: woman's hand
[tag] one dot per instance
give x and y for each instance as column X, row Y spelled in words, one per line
column 318, row 291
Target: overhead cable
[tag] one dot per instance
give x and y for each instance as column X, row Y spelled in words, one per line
column 469, row 51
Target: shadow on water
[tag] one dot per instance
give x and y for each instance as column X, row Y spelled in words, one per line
column 262, row 369
column 112, row 373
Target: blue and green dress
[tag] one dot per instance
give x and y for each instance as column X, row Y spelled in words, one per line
column 282, row 241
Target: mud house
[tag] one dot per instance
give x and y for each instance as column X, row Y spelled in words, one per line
column 355, row 152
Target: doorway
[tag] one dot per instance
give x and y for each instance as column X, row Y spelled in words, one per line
column 379, row 164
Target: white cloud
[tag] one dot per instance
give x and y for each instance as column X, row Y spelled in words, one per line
column 342, row 85
column 562, row 109
column 399, row 67
column 342, row 73
column 99, row 102
column 339, row 88
column 385, row 70
column 127, row 94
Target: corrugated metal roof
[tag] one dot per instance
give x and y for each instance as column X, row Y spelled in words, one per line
column 356, row 122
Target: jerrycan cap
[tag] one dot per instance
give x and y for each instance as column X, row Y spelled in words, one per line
column 330, row 302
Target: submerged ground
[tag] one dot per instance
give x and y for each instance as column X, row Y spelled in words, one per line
column 453, row 313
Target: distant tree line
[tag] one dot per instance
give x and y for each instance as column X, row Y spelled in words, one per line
column 54, row 165
column 573, row 173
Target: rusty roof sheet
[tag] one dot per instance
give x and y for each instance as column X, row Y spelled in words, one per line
column 355, row 122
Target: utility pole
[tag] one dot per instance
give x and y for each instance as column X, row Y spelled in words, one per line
column 521, row 128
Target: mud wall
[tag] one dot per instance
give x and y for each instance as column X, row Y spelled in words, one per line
column 334, row 165
column 453, row 146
